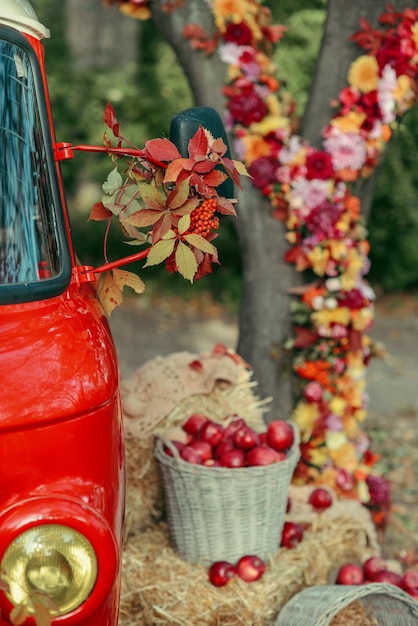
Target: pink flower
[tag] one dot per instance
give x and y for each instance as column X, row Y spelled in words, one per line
column 308, row 194
column 347, row 150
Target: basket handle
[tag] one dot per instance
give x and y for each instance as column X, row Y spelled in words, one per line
column 165, row 441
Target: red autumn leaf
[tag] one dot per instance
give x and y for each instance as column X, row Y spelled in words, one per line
column 225, row 207
column 304, row 337
column 162, row 150
column 354, row 339
column 214, row 178
column 274, row 32
column 99, row 212
column 199, row 40
column 198, row 144
column 110, row 119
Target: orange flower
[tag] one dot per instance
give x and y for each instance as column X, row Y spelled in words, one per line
column 312, row 293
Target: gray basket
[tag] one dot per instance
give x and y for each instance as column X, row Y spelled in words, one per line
column 317, row 606
column 219, row 513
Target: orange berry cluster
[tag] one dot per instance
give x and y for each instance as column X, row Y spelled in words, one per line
column 202, row 219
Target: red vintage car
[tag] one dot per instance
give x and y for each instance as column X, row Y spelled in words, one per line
column 61, row 447
column 62, row 472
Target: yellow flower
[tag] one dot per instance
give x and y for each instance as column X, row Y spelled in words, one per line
column 319, row 259
column 139, row 13
column 269, row 124
column 414, row 31
column 318, row 456
column 338, row 249
column 349, row 123
column 354, row 265
column 255, row 147
column 325, row 317
column 335, row 440
column 304, row 416
column 229, row 10
column 338, row 406
column 345, row 456
column 403, row 90
column 363, row 319
column 364, row 73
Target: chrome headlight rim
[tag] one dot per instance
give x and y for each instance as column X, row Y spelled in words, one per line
column 38, row 512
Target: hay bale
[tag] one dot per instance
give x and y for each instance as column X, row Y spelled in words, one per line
column 158, row 587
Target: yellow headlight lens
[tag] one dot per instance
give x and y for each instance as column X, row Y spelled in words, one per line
column 53, row 560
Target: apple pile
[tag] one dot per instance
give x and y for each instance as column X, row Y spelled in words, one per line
column 376, row 570
column 249, row 568
column 234, row 445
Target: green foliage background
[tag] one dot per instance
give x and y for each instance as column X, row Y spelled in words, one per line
column 146, row 96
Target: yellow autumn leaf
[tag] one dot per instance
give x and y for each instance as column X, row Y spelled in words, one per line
column 18, row 615
column 123, row 279
column 42, row 614
column 184, row 224
column 186, row 262
column 109, row 293
column 201, row 243
column 161, row 250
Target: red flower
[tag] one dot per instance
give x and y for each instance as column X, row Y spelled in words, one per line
column 319, row 165
column 263, row 171
column 247, row 107
column 322, row 219
column 353, row 299
column 240, row 34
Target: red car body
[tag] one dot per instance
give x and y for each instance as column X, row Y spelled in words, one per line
column 62, row 482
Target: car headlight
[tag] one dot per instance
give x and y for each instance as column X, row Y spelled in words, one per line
column 53, row 560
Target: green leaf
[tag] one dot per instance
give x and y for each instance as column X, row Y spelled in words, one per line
column 160, row 251
column 200, row 242
column 113, row 182
column 186, row 262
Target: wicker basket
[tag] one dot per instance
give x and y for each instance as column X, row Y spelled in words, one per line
column 221, row 513
column 386, row 604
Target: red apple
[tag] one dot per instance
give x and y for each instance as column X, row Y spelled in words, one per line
column 233, row 426
column 292, row 534
column 225, row 446
column 221, row 572
column 350, row 574
column 191, row 456
column 250, row 568
column 280, row 435
column 372, row 565
column 176, row 444
column 410, row 582
column 385, row 576
column 212, row 433
column 202, row 447
column 246, row 438
column 233, row 458
column 320, row 499
column 211, row 463
column 264, row 455
column 194, row 423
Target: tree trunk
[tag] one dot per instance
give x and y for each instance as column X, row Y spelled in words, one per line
column 99, row 38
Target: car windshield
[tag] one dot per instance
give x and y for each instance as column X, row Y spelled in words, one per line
column 30, row 249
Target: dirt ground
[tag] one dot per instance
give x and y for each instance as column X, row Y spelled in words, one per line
column 144, row 328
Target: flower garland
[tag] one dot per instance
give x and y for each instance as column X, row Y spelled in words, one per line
column 310, row 190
